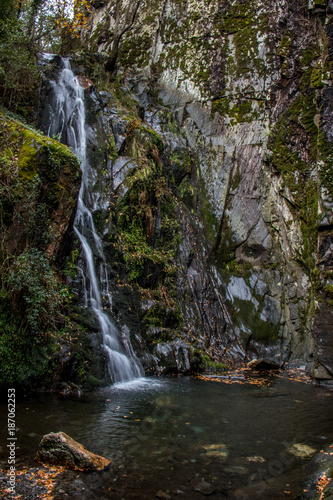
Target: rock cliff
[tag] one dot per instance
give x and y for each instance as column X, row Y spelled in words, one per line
column 237, row 98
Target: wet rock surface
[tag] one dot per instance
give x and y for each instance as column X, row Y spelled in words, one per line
column 323, row 334
column 319, row 483
column 247, row 105
column 60, row 449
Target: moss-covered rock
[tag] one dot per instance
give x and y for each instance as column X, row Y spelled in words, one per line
column 39, row 184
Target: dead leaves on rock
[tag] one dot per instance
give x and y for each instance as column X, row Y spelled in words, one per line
column 30, row 481
column 321, row 485
column 245, row 375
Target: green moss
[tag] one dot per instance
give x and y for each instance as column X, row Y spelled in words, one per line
column 316, row 78
column 145, row 251
column 245, row 24
column 307, row 55
column 156, row 139
column 325, row 150
column 33, row 151
column 210, row 366
column 40, row 174
column 27, row 160
column 240, row 112
column 172, row 123
column 155, row 317
column 296, row 172
column 112, row 149
column 238, row 269
column 134, row 50
column 246, row 315
column 236, row 179
column 285, row 44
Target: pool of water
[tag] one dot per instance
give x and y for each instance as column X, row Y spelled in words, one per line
column 185, row 438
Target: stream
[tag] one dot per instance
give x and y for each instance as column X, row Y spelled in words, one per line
column 184, row 438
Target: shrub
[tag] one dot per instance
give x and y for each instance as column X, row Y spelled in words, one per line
column 35, row 291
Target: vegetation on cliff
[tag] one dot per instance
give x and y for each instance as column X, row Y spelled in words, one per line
column 39, row 182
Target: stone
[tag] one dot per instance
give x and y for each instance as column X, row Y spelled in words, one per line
column 255, row 458
column 60, row 449
column 162, row 494
column 248, row 197
column 320, row 465
column 236, row 469
column 219, row 455
column 301, row 450
column 203, row 487
column 173, row 356
column 210, row 447
column 263, row 364
column 320, row 373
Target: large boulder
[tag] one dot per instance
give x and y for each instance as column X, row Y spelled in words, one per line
column 263, row 364
column 60, row 449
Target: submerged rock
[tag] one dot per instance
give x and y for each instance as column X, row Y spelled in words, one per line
column 162, row 494
column 301, row 450
column 203, row 487
column 255, row 458
column 218, row 451
column 60, row 449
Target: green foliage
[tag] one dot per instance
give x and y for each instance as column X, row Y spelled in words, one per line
column 19, row 73
column 137, row 247
column 156, row 139
column 7, row 10
column 148, row 199
column 21, row 359
column 35, row 290
column 39, row 174
column 24, row 355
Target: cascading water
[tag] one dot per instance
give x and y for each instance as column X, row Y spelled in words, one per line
column 67, row 122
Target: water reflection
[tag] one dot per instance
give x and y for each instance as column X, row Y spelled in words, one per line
column 233, row 436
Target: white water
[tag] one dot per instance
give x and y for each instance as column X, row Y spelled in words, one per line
column 67, row 122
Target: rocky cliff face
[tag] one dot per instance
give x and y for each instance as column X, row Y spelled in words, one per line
column 240, row 93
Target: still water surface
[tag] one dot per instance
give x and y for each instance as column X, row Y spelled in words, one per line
column 176, row 435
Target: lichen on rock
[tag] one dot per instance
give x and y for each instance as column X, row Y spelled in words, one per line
column 60, row 449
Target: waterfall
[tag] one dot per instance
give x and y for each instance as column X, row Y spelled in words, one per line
column 67, row 123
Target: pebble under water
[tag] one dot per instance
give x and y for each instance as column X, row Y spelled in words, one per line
column 184, row 438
